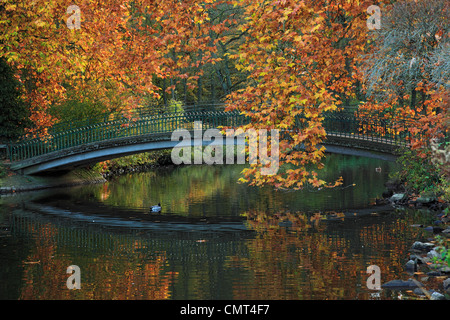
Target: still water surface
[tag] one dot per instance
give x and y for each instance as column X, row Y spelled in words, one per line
column 214, row 239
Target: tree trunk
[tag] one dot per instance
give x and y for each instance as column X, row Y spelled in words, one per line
column 185, row 91
column 199, row 89
column 164, row 92
column 213, row 93
column 172, row 89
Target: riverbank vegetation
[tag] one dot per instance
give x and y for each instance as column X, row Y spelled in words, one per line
column 133, row 163
column 424, row 173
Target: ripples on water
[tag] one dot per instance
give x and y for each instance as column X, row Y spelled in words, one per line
column 214, row 239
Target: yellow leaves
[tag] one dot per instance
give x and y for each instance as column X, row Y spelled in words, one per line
column 12, row 56
column 328, row 107
column 39, row 23
column 10, row 7
column 287, row 11
column 293, row 99
column 316, row 182
column 281, row 59
column 317, row 96
column 284, row 84
column 243, row 180
column 198, row 20
column 316, row 27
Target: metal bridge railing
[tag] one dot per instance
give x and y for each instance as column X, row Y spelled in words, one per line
column 369, row 129
column 109, row 130
column 341, row 125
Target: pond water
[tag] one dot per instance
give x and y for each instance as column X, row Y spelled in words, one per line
column 214, row 238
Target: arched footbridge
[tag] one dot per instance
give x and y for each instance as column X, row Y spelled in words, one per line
column 67, row 148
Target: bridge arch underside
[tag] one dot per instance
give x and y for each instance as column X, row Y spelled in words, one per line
column 91, row 153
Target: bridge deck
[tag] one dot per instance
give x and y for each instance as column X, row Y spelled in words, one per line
column 106, row 140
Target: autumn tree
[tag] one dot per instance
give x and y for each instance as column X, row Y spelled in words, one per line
column 406, row 74
column 228, row 41
column 213, row 80
column 300, row 57
column 112, row 57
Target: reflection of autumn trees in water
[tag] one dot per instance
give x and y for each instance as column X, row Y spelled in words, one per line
column 133, row 275
column 133, row 279
column 311, row 259
column 38, row 264
column 285, row 255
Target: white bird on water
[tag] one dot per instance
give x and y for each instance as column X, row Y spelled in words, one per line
column 156, row 208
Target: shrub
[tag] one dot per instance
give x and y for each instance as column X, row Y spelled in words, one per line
column 417, row 172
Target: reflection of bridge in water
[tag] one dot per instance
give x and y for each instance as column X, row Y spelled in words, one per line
column 70, row 145
column 179, row 240
column 180, row 237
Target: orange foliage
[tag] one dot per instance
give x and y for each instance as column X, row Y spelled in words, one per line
column 300, row 57
column 121, row 46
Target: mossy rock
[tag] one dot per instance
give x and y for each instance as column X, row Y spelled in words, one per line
column 426, row 198
column 398, row 197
